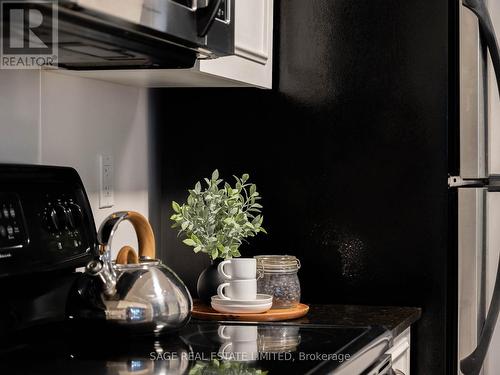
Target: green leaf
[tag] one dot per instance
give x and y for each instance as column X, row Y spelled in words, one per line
column 253, row 189
column 214, row 253
column 248, row 225
column 176, row 207
column 215, row 175
column 189, row 242
column 245, row 177
column 184, row 225
column 197, row 188
column 197, row 249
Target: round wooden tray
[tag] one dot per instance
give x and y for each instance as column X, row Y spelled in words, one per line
column 202, row 311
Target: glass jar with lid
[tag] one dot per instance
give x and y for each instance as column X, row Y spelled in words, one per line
column 278, row 277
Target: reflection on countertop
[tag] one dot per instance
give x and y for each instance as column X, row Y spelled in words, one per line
column 199, row 348
column 327, row 340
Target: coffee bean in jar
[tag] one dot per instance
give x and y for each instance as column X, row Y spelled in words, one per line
column 278, row 277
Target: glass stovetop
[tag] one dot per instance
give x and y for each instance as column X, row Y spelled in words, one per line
column 199, row 348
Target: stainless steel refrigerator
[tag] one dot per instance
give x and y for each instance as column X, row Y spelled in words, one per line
column 478, row 192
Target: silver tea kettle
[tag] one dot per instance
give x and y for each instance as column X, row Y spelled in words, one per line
column 138, row 290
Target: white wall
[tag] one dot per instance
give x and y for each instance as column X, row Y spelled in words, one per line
column 19, row 116
column 55, row 119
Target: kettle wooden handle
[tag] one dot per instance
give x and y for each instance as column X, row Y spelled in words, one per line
column 145, row 235
column 127, row 255
column 145, row 238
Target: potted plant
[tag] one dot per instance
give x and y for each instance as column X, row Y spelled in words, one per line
column 215, row 220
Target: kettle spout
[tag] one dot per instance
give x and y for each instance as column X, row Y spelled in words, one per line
column 105, row 272
column 103, row 267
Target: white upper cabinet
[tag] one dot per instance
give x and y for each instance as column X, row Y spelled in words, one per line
column 252, row 63
column 250, row 66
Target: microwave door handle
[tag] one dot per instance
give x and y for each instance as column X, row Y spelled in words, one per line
column 206, row 16
column 472, row 364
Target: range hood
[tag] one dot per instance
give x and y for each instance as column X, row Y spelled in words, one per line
column 167, row 34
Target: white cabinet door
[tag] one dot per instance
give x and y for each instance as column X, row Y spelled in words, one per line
column 254, row 30
column 252, row 62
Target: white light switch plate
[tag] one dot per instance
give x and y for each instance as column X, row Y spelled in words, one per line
column 106, row 181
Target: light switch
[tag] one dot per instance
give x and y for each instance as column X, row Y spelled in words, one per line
column 106, row 181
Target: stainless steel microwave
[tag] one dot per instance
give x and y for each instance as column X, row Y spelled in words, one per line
column 207, row 24
column 110, row 34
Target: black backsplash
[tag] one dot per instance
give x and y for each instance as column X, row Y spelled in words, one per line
column 349, row 154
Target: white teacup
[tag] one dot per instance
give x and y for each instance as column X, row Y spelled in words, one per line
column 238, row 290
column 238, row 333
column 239, row 269
column 239, row 351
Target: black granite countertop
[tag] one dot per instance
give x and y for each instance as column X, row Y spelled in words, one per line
column 395, row 319
column 321, row 342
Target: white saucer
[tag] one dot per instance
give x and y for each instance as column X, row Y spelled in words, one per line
column 260, row 300
column 236, row 308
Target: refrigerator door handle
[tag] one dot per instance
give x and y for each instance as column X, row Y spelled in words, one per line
column 472, row 364
column 479, row 8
